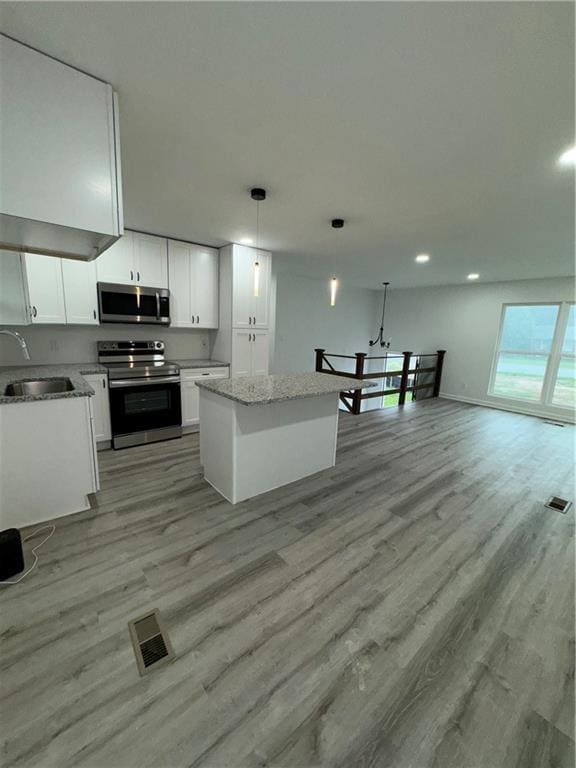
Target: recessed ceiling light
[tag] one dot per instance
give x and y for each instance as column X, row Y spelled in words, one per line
column 568, row 158
column 473, row 276
column 422, row 258
column 246, row 241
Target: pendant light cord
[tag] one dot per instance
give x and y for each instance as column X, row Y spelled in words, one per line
column 380, row 337
column 384, row 308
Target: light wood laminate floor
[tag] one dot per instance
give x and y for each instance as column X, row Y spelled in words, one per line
column 411, row 607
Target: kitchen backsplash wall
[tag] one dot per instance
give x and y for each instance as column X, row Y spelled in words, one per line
column 73, row 344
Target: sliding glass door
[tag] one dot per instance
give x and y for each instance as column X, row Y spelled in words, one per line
column 535, row 355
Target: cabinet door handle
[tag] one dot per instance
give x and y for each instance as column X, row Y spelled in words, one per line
column 250, row 320
column 193, row 319
column 131, row 274
column 254, row 320
column 34, row 312
column 103, row 383
column 197, row 318
column 94, row 313
column 138, row 276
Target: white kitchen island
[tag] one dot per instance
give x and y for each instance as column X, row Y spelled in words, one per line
column 259, row 433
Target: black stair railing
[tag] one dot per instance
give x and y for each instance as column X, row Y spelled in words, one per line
column 414, row 374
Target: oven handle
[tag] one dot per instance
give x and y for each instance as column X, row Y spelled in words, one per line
column 124, row 383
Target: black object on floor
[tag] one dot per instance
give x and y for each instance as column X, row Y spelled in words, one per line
column 11, row 556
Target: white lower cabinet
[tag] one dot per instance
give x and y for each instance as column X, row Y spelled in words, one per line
column 250, row 353
column 100, row 406
column 48, row 463
column 260, row 353
column 191, row 393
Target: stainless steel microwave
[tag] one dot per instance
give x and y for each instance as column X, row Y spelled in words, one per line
column 133, row 304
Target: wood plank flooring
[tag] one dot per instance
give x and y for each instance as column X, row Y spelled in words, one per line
column 412, row 607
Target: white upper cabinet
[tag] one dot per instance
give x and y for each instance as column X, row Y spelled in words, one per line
column 180, row 284
column 60, row 188
column 150, row 260
column 250, row 287
column 13, row 299
column 261, row 301
column 116, row 265
column 135, row 259
column 45, row 289
column 204, row 275
column 193, row 282
column 80, row 293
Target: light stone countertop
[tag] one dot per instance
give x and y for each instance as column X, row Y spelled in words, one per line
column 263, row 390
column 73, row 371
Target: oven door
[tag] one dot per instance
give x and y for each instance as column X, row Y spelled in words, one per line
column 142, row 405
column 133, row 304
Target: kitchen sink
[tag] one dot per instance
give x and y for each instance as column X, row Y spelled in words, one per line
column 38, row 387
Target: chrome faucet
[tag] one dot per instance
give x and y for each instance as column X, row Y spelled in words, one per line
column 20, row 341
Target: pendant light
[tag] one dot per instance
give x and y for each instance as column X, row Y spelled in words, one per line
column 258, row 194
column 333, row 290
column 336, row 224
column 380, row 338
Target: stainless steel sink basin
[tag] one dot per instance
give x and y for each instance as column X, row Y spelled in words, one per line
column 38, row 387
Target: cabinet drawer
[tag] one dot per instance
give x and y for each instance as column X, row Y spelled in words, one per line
column 204, row 373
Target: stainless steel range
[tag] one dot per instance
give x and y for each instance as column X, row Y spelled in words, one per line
column 144, row 392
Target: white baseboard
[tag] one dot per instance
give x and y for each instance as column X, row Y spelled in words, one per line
column 564, row 416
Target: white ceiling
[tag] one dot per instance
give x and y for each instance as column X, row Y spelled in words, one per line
column 428, row 126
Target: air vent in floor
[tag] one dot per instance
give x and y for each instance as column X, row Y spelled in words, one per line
column 151, row 644
column 560, row 505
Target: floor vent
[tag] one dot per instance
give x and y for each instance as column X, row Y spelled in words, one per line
column 558, row 504
column 151, row 644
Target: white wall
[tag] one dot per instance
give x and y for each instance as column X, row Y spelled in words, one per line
column 53, row 344
column 305, row 320
column 465, row 320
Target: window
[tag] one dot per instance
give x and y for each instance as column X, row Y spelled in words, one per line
column 565, row 379
column 536, row 354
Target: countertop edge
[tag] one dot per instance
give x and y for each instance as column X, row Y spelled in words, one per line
column 219, row 389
